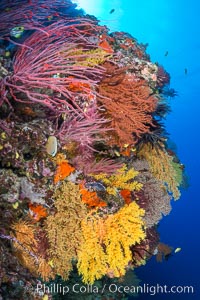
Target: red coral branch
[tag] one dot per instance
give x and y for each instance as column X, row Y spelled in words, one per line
column 129, row 105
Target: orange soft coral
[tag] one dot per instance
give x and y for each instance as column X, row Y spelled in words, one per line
column 37, row 212
column 126, row 195
column 63, row 170
column 79, row 86
column 91, row 198
column 105, row 46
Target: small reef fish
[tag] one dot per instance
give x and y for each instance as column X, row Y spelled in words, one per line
column 117, row 153
column 166, row 53
column 7, row 54
column 177, row 250
column 112, row 11
column 167, row 256
column 17, row 32
column 15, row 205
column 56, row 75
column 52, row 145
column 50, row 18
column 186, row 71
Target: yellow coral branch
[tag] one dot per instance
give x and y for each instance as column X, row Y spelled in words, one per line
column 122, row 179
column 106, row 242
column 163, row 168
column 64, row 229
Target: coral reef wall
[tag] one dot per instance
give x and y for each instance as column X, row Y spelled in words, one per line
column 86, row 172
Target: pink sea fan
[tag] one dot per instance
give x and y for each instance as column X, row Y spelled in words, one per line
column 84, row 131
column 31, row 14
column 92, row 166
column 48, row 65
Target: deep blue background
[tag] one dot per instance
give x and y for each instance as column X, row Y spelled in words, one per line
column 173, row 26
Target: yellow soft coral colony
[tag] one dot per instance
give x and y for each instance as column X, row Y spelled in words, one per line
column 88, row 58
column 122, row 179
column 125, row 228
column 107, row 241
column 92, row 259
column 163, row 168
column 64, row 228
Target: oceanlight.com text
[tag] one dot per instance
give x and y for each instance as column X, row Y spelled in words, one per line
column 151, row 289
column 113, row 288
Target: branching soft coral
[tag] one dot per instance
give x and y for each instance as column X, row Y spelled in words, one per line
column 155, row 137
column 91, row 58
column 46, row 67
column 125, row 228
column 92, row 166
column 163, row 168
column 83, row 131
column 143, row 251
column 107, row 241
column 31, row 15
column 64, row 228
column 122, row 179
column 129, row 105
column 153, row 197
column 92, row 260
column 26, row 246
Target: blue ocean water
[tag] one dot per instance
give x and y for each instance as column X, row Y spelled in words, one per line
column 171, row 26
